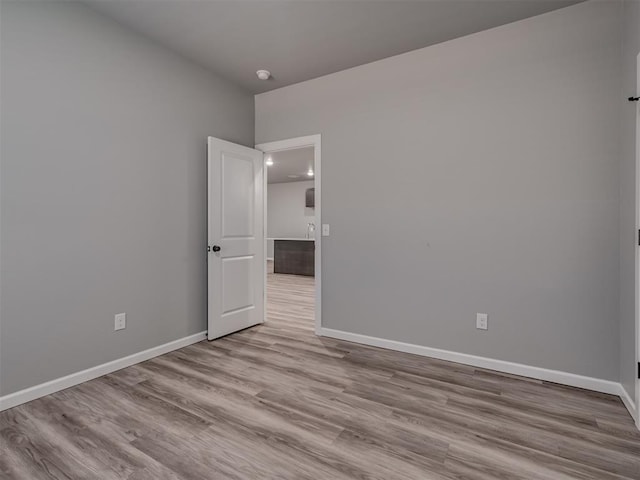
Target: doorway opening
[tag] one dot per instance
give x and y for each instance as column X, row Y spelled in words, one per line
column 293, row 232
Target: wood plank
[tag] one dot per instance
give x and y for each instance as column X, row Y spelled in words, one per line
column 277, row 402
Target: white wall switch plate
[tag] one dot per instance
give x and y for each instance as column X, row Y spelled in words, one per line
column 482, row 321
column 120, row 321
column 325, row 230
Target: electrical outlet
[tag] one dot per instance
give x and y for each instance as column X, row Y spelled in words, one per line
column 325, row 230
column 120, row 321
column 482, row 321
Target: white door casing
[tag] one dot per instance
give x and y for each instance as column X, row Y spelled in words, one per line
column 314, row 141
column 236, row 257
column 637, row 399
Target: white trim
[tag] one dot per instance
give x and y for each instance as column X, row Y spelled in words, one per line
column 637, row 255
column 556, row 376
column 604, row 386
column 47, row 388
column 265, row 181
column 626, row 399
column 314, row 141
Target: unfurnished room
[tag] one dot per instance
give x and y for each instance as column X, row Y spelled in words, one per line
column 320, row 239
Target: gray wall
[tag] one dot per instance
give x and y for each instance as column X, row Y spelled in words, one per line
column 628, row 234
column 287, row 215
column 103, row 189
column 489, row 168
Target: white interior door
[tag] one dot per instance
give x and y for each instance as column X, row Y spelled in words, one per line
column 236, row 238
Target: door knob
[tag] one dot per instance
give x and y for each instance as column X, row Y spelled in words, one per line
column 216, row 248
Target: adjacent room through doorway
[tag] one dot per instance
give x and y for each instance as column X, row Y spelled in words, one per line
column 291, row 237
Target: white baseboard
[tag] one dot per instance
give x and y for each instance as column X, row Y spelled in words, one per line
column 631, row 406
column 565, row 378
column 37, row 391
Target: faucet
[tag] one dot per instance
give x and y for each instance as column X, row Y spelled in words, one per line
column 311, row 229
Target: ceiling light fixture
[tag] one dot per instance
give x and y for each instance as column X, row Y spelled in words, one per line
column 263, row 74
column 310, row 172
column 269, row 161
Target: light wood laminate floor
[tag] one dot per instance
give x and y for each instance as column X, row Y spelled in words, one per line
column 276, row 402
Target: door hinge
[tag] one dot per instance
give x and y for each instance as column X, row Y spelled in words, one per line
column 638, row 369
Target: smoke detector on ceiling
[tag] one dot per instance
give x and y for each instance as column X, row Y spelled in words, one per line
column 263, row 74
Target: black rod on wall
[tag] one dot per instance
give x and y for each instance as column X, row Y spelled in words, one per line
column 634, row 99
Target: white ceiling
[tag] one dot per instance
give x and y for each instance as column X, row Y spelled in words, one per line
column 302, row 39
column 290, row 162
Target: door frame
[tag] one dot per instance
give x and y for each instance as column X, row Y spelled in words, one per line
column 290, row 144
column 637, row 262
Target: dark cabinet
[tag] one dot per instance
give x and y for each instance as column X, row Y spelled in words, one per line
column 295, row 257
column 310, row 197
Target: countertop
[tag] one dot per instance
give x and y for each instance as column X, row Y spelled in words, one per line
column 296, row 239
